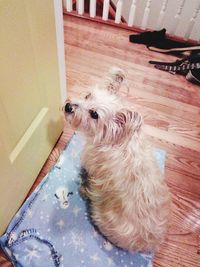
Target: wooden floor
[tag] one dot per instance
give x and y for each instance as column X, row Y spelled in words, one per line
column 171, row 109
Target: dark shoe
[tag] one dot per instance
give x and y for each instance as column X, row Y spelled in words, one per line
column 183, row 66
column 167, row 46
column 188, row 66
column 148, row 38
column 193, row 76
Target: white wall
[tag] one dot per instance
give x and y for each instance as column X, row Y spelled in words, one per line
column 171, row 11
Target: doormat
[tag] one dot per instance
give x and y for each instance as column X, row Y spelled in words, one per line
column 52, row 228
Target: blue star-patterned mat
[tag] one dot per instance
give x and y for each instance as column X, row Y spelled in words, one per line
column 52, row 227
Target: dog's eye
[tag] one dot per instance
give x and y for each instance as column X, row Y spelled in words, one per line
column 94, row 114
column 88, row 96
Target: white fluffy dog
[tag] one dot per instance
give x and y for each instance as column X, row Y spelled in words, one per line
column 130, row 202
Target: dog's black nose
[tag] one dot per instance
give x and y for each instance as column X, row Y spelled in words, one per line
column 68, row 108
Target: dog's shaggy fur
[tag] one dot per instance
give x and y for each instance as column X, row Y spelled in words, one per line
column 130, row 201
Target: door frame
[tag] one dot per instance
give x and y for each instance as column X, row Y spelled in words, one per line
column 58, row 12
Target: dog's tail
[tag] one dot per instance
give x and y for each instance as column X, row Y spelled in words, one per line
column 114, row 79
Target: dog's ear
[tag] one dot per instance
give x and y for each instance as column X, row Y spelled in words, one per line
column 124, row 124
column 114, row 79
column 127, row 122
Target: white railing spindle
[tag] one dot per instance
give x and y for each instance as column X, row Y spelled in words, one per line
column 146, row 14
column 132, row 13
column 68, row 5
column 80, row 8
column 162, row 15
column 177, row 17
column 118, row 11
column 92, row 8
column 64, row 4
column 191, row 22
column 187, row 27
column 106, row 4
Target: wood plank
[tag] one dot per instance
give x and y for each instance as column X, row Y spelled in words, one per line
column 173, row 138
column 171, row 86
